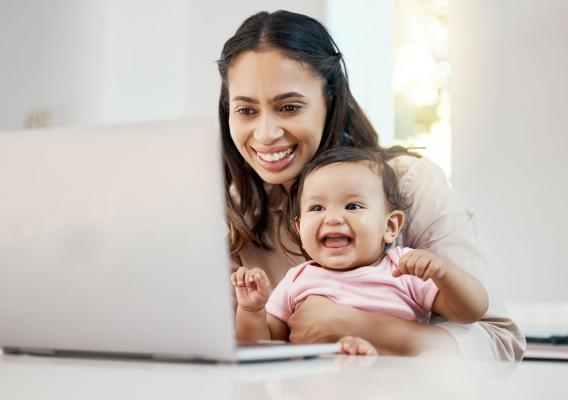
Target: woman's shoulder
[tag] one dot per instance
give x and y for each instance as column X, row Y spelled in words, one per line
column 413, row 171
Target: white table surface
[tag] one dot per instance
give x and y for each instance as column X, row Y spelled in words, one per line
column 334, row 377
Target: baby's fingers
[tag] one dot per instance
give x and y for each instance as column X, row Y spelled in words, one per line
column 421, row 266
column 367, row 350
column 407, row 263
column 262, row 284
column 401, row 267
column 249, row 280
column 347, row 345
column 396, row 273
column 240, row 276
column 356, row 346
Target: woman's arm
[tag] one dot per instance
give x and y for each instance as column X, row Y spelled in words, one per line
column 319, row 320
column 438, row 222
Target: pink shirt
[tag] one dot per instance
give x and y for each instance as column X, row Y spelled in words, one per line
column 369, row 288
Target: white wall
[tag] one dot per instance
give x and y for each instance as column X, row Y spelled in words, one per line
column 363, row 31
column 49, row 60
column 509, row 88
column 145, row 64
column 89, row 62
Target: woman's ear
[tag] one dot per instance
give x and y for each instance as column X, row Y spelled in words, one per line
column 395, row 220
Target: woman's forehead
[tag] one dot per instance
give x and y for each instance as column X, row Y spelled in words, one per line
column 269, row 73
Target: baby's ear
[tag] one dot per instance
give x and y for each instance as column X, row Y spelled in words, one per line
column 395, row 220
column 297, row 223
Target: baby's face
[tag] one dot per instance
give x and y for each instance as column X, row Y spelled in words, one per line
column 343, row 216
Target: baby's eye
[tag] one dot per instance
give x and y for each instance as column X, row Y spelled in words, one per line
column 315, row 207
column 290, row 108
column 353, row 206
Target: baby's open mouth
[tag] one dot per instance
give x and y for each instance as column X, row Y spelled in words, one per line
column 336, row 241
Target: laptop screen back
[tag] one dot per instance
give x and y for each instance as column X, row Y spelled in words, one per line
column 112, row 239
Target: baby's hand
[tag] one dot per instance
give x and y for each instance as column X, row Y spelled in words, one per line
column 356, row 346
column 421, row 264
column 251, row 287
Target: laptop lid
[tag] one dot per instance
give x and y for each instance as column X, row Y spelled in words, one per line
column 112, row 239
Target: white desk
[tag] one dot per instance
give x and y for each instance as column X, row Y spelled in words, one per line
column 338, row 377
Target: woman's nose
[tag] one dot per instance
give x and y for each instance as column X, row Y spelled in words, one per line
column 268, row 130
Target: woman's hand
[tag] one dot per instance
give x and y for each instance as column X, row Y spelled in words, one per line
column 319, row 320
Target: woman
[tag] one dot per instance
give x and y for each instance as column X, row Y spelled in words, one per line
column 284, row 99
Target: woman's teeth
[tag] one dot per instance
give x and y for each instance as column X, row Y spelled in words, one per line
column 271, row 157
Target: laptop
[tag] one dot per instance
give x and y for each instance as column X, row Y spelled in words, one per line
column 113, row 243
column 545, row 326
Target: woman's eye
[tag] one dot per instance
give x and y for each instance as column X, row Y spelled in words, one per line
column 290, row 108
column 245, row 111
column 353, row 206
column 316, row 207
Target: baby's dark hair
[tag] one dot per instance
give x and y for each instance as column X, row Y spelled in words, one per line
column 339, row 155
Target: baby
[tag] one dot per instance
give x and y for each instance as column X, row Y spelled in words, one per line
column 346, row 211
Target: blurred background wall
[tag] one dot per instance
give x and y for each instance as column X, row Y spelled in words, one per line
column 73, row 63
column 509, row 87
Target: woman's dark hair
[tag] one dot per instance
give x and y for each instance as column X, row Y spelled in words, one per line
column 339, row 155
column 306, row 40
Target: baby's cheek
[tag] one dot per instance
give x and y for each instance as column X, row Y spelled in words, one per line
column 371, row 246
column 308, row 236
column 310, row 247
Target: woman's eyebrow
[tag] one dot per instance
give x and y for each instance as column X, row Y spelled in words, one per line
column 275, row 99
column 246, row 99
column 287, row 95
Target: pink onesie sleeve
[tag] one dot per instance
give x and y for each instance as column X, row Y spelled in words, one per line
column 422, row 292
column 280, row 303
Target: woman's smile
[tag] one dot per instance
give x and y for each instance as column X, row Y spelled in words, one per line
column 275, row 159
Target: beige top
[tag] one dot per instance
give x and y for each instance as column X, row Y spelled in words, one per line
column 437, row 222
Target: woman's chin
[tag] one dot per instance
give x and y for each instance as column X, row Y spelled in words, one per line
column 286, row 177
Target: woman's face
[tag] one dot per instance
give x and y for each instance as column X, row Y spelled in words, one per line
column 277, row 113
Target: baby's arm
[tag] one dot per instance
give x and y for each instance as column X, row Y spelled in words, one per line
column 252, row 289
column 461, row 297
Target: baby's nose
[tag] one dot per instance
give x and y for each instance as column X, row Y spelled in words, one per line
column 334, row 218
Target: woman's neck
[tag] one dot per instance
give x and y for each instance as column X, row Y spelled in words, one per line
column 286, row 186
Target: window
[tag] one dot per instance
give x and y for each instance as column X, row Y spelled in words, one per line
column 420, row 78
